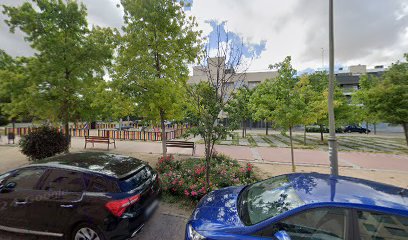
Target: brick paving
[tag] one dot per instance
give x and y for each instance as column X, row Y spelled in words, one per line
column 11, row 157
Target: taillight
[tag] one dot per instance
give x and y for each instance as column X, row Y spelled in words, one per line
column 118, row 207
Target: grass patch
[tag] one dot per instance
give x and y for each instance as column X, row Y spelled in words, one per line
column 251, row 141
column 269, row 141
column 235, row 139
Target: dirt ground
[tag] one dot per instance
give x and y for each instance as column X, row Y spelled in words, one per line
column 389, row 177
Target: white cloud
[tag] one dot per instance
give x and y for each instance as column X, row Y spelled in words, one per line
column 368, row 32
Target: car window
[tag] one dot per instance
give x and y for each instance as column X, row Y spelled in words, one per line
column 316, row 224
column 98, row 184
column 4, row 176
column 267, row 199
column 381, row 226
column 64, row 180
column 136, row 179
column 25, row 178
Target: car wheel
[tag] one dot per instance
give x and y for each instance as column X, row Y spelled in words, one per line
column 87, row 232
column 349, row 131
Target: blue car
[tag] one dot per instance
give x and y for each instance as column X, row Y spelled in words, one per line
column 302, row 206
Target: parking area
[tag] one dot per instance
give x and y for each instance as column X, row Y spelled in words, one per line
column 162, row 225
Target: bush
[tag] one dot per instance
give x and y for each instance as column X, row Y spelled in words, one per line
column 325, row 130
column 187, row 178
column 43, row 142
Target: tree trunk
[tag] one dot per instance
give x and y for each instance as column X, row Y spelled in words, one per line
column 304, row 136
column 321, row 133
column 375, row 128
column 207, row 162
column 67, row 135
column 405, row 126
column 291, row 150
column 163, row 128
column 267, row 128
column 243, row 128
column 367, row 127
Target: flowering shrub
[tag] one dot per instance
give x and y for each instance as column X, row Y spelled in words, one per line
column 188, row 177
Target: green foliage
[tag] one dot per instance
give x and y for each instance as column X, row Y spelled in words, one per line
column 288, row 107
column 187, row 178
column 387, row 99
column 259, row 103
column 361, row 98
column 325, row 130
column 238, row 107
column 43, row 142
column 203, row 112
column 13, row 87
column 343, row 112
column 70, row 59
column 158, row 43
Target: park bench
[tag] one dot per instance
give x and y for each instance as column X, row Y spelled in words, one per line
column 96, row 139
column 181, row 144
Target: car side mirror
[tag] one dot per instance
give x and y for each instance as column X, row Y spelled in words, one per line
column 282, row 235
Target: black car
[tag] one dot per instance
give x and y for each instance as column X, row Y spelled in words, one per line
column 79, row 196
column 350, row 129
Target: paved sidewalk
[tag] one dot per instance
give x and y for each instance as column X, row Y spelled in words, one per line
column 11, row 157
column 380, row 161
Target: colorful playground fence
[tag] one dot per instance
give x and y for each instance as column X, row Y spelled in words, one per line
column 141, row 135
column 116, row 134
column 22, row 131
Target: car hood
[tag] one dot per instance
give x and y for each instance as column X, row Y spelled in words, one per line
column 218, row 210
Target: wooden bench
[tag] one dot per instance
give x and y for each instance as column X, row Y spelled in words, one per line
column 181, row 144
column 96, row 139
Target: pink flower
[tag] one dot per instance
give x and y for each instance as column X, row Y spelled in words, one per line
column 202, row 190
column 249, row 167
column 186, row 193
column 194, row 193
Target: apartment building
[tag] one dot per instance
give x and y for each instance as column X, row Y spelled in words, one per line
column 250, row 79
column 349, row 78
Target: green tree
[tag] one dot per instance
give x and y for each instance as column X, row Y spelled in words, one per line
column 361, row 97
column 203, row 112
column 159, row 41
column 259, row 102
column 389, row 98
column 342, row 110
column 288, row 105
column 70, row 57
column 223, row 71
column 311, row 100
column 14, row 87
column 238, row 108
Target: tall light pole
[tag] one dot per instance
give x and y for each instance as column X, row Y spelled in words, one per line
column 334, row 168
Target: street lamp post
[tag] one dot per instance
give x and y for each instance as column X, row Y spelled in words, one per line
column 334, row 169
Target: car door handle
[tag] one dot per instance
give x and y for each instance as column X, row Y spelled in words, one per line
column 19, row 203
column 67, row 206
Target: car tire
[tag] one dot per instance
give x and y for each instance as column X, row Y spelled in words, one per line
column 82, row 231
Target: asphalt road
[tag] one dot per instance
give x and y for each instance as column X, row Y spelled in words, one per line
column 160, row 226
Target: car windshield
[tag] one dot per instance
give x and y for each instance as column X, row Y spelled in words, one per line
column 267, row 199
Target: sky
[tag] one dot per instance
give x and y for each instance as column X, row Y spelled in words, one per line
column 368, row 32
